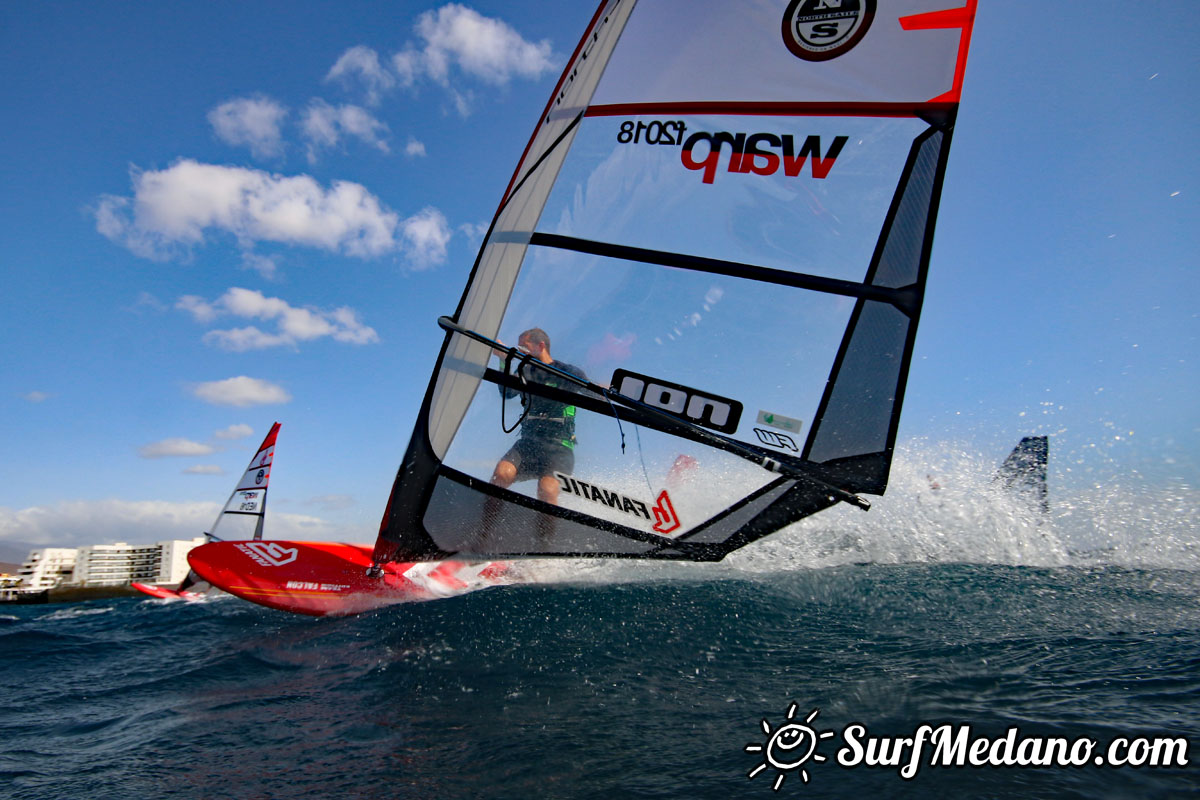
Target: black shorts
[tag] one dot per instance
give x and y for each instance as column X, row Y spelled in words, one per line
column 535, row 458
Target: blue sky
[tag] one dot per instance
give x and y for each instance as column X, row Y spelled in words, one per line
column 216, row 216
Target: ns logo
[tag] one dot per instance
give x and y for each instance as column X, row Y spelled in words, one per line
column 818, row 30
column 708, row 410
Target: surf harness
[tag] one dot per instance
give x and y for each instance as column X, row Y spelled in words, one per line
column 542, row 417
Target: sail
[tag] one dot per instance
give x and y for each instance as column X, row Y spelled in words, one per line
column 722, row 224
column 1023, row 473
column 246, row 507
column 249, row 497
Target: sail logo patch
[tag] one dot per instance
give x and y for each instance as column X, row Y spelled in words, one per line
column 666, row 521
column 818, row 30
column 779, row 421
column 269, row 554
column 758, row 154
column 749, row 153
column 662, row 513
column 776, row 439
column 701, row 408
column 607, row 497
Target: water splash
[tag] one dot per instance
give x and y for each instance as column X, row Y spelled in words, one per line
column 944, row 505
column 73, row 613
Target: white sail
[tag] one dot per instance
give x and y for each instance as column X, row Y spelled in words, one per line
column 249, row 497
column 724, row 220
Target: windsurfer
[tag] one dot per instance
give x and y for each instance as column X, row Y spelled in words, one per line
column 547, row 441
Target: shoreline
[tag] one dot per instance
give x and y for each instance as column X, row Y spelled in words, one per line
column 72, row 594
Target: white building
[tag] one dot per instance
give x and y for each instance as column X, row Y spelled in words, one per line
column 10, row 586
column 47, row 567
column 173, row 565
column 116, row 564
column 120, row 563
column 108, row 564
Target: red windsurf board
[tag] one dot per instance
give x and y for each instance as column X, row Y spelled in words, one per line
column 163, row 593
column 330, row 578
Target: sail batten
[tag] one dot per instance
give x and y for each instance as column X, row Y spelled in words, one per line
column 901, row 296
column 772, row 109
column 714, row 252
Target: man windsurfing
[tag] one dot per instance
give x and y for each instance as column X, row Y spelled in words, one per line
column 547, row 441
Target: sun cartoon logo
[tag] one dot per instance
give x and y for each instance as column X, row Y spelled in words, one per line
column 787, row 748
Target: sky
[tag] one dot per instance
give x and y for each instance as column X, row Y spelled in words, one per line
column 220, row 215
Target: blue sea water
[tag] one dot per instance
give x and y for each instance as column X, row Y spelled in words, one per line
column 619, row 681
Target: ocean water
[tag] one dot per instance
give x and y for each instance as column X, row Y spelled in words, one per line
column 946, row 608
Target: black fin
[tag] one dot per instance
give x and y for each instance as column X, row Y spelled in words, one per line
column 1024, row 471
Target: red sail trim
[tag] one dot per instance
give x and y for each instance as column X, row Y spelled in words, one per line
column 771, row 109
column 270, row 440
column 963, row 18
column 553, row 97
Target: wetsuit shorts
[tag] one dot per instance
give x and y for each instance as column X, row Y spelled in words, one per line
column 535, row 458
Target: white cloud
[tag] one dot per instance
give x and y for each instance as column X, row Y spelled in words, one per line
column 459, row 39
column 414, row 148
column 266, row 266
column 240, row 340
column 200, row 309
column 462, row 101
column 483, row 47
column 174, row 447
column 241, row 392
column 407, row 66
column 204, row 469
column 173, row 209
column 36, row 396
column 293, row 325
column 333, row 502
column 252, row 122
column 426, row 235
column 361, row 64
column 324, row 126
column 234, row 432
column 475, row 231
column 83, row 522
column 147, row 300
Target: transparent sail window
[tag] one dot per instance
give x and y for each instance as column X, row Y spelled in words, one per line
column 769, row 348
column 765, row 206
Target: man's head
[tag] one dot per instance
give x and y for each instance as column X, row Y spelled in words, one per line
column 535, row 342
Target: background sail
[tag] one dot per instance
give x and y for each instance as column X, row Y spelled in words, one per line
column 718, row 210
column 249, row 498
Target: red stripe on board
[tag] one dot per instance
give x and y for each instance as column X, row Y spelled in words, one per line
column 963, row 18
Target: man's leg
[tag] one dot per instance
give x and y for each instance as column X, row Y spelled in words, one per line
column 548, row 487
column 503, row 476
column 547, row 492
column 505, row 473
